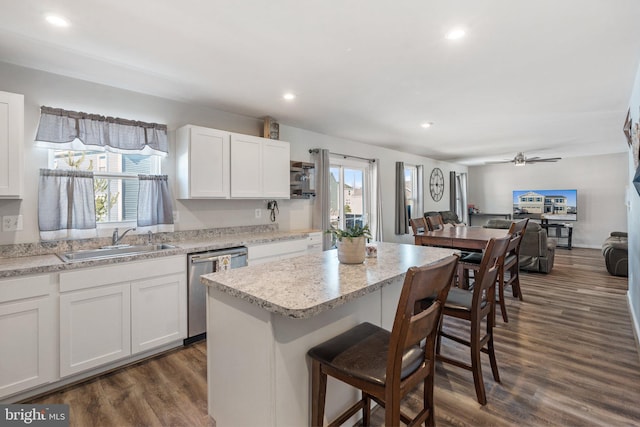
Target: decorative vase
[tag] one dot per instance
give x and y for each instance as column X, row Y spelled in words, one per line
column 351, row 251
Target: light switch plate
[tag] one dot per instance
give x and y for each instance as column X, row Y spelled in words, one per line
column 12, row 223
column 258, row 213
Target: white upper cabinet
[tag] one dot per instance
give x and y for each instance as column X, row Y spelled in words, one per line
column 259, row 167
column 11, row 144
column 215, row 164
column 202, row 163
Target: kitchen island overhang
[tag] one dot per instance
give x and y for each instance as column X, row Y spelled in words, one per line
column 261, row 320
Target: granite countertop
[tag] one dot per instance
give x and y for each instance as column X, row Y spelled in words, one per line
column 48, row 263
column 304, row 286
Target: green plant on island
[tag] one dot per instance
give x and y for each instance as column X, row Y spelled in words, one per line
column 350, row 232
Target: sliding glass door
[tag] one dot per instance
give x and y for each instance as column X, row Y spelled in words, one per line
column 349, row 188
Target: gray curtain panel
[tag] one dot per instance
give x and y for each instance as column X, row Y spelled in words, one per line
column 66, row 205
column 322, row 202
column 402, row 217
column 420, row 189
column 376, row 202
column 71, row 130
column 155, row 209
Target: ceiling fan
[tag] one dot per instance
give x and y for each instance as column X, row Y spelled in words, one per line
column 521, row 160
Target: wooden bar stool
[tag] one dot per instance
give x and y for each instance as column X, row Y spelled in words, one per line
column 511, row 265
column 477, row 306
column 385, row 365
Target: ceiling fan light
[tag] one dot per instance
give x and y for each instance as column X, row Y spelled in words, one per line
column 520, row 163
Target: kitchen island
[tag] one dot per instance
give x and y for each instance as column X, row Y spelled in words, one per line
column 261, row 320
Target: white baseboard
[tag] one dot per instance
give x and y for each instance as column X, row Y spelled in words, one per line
column 635, row 322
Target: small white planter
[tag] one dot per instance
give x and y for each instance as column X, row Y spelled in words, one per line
column 351, row 251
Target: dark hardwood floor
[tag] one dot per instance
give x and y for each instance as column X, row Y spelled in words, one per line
column 567, row 357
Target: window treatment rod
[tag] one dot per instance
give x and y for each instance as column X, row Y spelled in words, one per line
column 317, row 150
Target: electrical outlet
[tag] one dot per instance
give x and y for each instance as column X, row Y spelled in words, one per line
column 12, row 223
column 258, row 213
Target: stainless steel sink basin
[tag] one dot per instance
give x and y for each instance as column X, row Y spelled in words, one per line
column 112, row 252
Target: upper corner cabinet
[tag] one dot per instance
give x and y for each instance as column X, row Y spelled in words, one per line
column 11, row 145
column 259, row 167
column 202, row 165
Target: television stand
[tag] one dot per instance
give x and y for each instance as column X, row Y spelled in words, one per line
column 559, row 234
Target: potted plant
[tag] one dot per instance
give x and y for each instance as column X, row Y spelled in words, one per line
column 351, row 243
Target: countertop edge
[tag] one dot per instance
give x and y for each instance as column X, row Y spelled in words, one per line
column 41, row 264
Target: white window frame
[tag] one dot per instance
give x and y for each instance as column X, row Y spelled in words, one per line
column 353, row 163
column 415, row 199
column 107, row 226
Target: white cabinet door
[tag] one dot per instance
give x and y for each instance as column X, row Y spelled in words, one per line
column 27, row 334
column 275, row 172
column 158, row 312
column 246, row 166
column 203, row 161
column 269, row 252
column 11, row 144
column 259, row 167
column 94, row 327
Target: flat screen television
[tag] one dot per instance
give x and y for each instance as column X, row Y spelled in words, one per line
column 554, row 205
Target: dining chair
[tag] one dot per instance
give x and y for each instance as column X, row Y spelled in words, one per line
column 434, row 222
column 418, row 225
column 385, row 365
column 511, row 265
column 476, row 307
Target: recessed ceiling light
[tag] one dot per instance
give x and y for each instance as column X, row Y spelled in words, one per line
column 455, row 34
column 427, row 125
column 289, row 96
column 57, row 21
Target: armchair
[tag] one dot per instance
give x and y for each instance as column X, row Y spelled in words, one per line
column 537, row 251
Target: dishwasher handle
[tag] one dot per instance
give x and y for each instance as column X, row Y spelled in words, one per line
column 199, row 260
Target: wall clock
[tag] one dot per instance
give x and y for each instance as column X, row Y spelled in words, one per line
column 436, row 184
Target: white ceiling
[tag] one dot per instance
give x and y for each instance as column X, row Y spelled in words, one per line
column 547, row 77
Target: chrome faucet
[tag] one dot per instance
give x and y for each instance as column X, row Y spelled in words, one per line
column 115, row 239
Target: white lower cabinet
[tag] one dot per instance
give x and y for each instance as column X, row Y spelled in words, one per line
column 94, row 327
column 276, row 251
column 158, row 309
column 28, row 333
column 103, row 320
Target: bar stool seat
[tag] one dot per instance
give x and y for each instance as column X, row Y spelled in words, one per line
column 362, row 353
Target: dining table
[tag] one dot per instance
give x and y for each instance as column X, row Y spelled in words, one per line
column 460, row 237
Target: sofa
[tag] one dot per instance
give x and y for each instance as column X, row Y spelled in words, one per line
column 448, row 217
column 616, row 254
column 537, row 251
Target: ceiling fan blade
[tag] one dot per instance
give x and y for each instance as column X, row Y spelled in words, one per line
column 550, row 159
column 498, row 161
column 528, row 159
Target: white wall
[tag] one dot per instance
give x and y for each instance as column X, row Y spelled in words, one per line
column 634, row 220
column 41, row 88
column 601, row 182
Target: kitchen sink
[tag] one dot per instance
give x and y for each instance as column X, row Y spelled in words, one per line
column 112, row 252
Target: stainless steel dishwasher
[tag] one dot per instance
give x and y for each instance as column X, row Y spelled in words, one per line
column 204, row 263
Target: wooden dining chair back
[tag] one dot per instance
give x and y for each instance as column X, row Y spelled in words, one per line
column 418, row 225
column 511, row 265
column 385, row 365
column 434, row 222
column 477, row 307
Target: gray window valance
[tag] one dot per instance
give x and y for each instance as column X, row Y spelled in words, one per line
column 71, row 130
